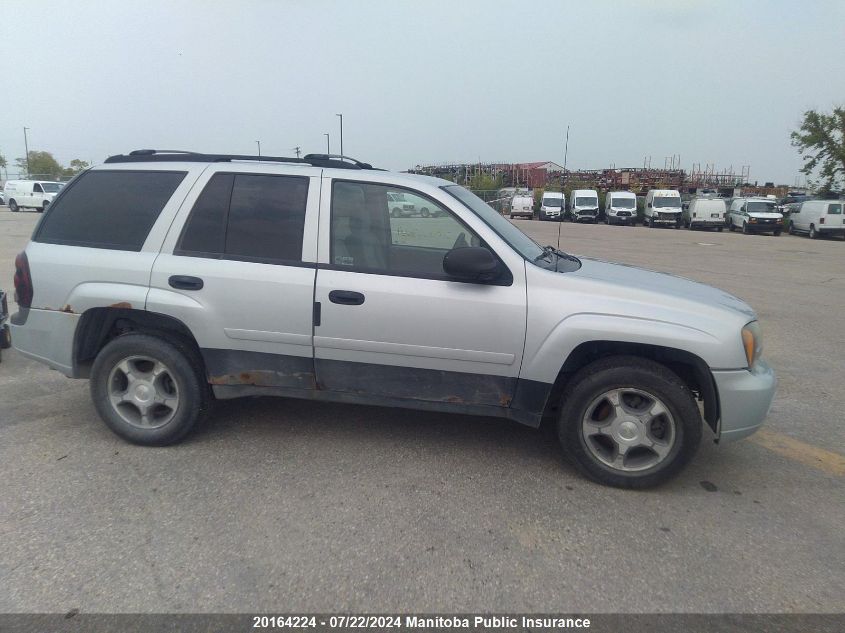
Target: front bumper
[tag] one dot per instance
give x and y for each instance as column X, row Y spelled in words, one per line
column 756, row 227
column 745, row 397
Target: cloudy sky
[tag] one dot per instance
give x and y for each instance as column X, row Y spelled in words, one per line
column 423, row 81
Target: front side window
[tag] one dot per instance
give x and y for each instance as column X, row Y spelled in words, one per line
column 36, row 188
column 366, row 237
column 248, row 217
column 667, row 202
column 834, row 209
column 108, row 209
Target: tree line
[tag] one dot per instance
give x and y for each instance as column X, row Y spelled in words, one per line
column 44, row 165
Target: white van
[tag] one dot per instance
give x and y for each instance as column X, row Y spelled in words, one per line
column 818, row 217
column 584, row 205
column 32, row 194
column 662, row 206
column 704, row 213
column 551, row 206
column 755, row 215
column 620, row 207
column 522, row 206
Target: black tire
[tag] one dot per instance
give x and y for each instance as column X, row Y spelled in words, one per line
column 396, row 213
column 745, row 228
column 13, row 206
column 425, row 212
column 776, row 233
column 790, row 229
column 731, row 227
column 637, row 373
column 184, row 366
column 813, row 234
column 5, row 337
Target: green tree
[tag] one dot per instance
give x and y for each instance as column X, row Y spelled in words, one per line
column 821, row 143
column 76, row 166
column 41, row 164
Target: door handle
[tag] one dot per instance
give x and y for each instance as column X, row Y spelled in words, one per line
column 346, row 297
column 185, row 282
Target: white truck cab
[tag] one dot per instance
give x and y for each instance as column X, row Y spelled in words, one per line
column 662, row 208
column 818, row 218
column 30, row 194
column 584, row 205
column 755, row 215
column 169, row 279
column 620, row 207
column 552, row 206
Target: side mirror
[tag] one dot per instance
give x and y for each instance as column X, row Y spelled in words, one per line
column 649, row 205
column 471, row 263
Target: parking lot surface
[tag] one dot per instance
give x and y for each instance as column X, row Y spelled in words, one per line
column 303, row 506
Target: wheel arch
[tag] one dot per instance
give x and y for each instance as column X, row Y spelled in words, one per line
column 98, row 326
column 690, row 368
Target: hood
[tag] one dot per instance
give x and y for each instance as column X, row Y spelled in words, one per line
column 672, row 287
column 764, row 215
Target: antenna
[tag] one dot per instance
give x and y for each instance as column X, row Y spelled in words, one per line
column 297, row 150
column 562, row 193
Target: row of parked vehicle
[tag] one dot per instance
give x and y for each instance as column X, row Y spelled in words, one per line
column 663, row 207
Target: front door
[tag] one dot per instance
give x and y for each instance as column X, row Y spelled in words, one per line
column 239, row 272
column 393, row 324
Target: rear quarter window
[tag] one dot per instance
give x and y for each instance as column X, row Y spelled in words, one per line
column 108, row 209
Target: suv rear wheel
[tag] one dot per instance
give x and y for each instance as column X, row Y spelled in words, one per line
column 148, row 390
column 629, row 422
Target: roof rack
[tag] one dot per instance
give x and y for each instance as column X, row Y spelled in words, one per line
column 173, row 155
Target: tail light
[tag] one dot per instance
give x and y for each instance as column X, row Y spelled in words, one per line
column 23, row 281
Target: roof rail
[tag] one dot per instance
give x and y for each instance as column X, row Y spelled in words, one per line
column 171, row 155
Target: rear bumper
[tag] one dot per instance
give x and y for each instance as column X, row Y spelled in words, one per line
column 745, row 397
column 764, row 228
column 46, row 336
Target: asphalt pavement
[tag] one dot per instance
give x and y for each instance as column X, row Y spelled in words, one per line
column 286, row 505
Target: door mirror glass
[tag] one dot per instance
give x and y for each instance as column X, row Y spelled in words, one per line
column 471, row 263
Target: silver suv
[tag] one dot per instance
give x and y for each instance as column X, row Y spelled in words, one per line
column 172, row 279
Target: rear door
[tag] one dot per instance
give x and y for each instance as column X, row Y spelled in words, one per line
column 238, row 268
column 393, row 324
column 834, row 216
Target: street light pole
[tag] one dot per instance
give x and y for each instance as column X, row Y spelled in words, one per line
column 26, row 146
column 259, row 148
column 341, row 134
column 328, row 143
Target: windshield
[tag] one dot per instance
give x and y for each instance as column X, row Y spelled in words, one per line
column 586, row 202
column 518, row 240
column 761, row 207
column 50, row 187
column 623, row 203
column 664, row 202
column 551, row 202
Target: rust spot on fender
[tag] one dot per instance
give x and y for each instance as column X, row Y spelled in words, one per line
column 67, row 308
column 505, row 400
column 121, row 304
column 454, row 399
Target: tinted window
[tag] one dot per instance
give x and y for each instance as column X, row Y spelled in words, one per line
column 205, row 231
column 834, row 209
column 36, row 188
column 365, row 235
column 248, row 217
column 109, row 209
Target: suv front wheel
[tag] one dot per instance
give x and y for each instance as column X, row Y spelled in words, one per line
column 148, row 390
column 629, row 422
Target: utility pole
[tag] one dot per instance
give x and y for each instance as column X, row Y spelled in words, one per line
column 328, row 143
column 297, row 150
column 26, row 145
column 341, row 133
column 259, row 148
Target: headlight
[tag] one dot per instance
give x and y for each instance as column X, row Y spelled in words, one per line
column 752, row 342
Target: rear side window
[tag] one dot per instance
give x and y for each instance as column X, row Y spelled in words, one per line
column 248, row 217
column 834, row 209
column 109, row 209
